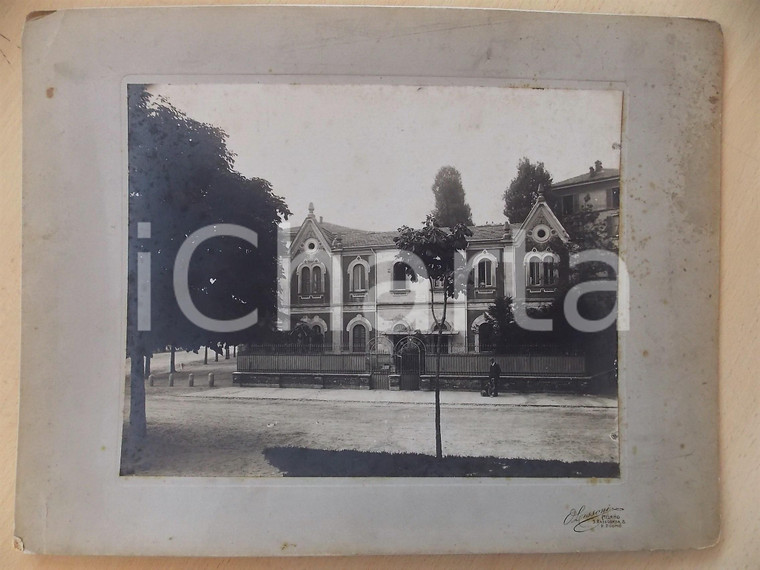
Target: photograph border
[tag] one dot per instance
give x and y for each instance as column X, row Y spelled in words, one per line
column 68, row 484
column 622, row 303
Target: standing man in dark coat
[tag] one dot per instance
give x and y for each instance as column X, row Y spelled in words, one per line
column 493, row 378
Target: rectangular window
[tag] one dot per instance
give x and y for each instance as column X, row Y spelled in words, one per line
column 567, row 204
column 613, row 198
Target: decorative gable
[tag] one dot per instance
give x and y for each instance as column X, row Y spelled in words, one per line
column 541, row 225
column 309, row 238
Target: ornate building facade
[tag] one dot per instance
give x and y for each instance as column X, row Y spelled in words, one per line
column 348, row 287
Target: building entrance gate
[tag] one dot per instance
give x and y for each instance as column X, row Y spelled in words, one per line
column 380, row 363
column 409, row 353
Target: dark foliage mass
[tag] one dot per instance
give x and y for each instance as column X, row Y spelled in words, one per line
column 450, row 205
column 588, row 230
column 523, row 190
column 181, row 179
column 305, row 462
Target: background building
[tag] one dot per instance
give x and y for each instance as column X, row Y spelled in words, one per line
column 597, row 190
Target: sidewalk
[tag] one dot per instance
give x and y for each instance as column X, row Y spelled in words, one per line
column 448, row 398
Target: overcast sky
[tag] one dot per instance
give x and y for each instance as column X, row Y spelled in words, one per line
column 367, row 155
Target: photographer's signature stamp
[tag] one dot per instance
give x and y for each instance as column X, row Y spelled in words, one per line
column 584, row 520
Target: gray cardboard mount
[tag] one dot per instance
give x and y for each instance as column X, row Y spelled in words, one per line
column 70, row 498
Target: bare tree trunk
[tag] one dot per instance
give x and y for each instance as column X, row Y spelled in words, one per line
column 205, row 354
column 216, row 353
column 437, row 387
column 438, row 442
column 172, row 367
column 147, row 365
column 137, row 423
column 227, row 352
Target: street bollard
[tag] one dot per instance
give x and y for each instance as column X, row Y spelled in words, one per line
column 150, row 379
column 211, row 379
column 171, row 379
column 190, row 380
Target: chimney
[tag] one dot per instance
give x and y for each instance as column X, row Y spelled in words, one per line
column 591, row 171
column 598, row 165
column 320, row 219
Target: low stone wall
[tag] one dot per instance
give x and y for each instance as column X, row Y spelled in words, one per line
column 358, row 381
column 301, row 380
column 557, row 384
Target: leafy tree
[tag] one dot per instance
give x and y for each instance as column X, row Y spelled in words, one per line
column 450, row 206
column 181, row 179
column 437, row 249
column 589, row 228
column 523, row 191
column 501, row 317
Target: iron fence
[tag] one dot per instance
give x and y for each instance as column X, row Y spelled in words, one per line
column 466, row 364
column 317, row 362
column 533, row 364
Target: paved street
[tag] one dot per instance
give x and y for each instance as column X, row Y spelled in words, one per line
column 448, row 398
column 224, row 431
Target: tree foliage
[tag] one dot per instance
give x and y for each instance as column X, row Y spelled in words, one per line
column 599, row 347
column 501, row 317
column 523, row 190
column 436, row 249
column 181, row 179
column 450, row 205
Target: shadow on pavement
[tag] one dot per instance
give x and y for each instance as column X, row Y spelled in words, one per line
column 305, row 462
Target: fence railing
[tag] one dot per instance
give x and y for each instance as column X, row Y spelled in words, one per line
column 469, row 349
column 302, row 348
column 458, row 364
column 479, row 364
column 317, row 362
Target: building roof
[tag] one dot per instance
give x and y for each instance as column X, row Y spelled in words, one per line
column 352, row 237
column 601, row 174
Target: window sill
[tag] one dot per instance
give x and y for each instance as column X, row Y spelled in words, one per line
column 537, row 289
column 490, row 290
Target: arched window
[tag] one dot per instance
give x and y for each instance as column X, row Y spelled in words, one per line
column 484, row 273
column 305, row 284
column 359, row 278
column 316, row 279
column 550, row 271
column 358, row 338
column 534, row 272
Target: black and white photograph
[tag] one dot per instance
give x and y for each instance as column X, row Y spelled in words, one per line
column 362, row 280
column 305, row 281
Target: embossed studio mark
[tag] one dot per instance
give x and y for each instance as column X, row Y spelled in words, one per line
column 584, row 520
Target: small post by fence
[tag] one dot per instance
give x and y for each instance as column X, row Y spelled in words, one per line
column 190, row 380
column 211, row 379
column 150, row 380
column 171, row 379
